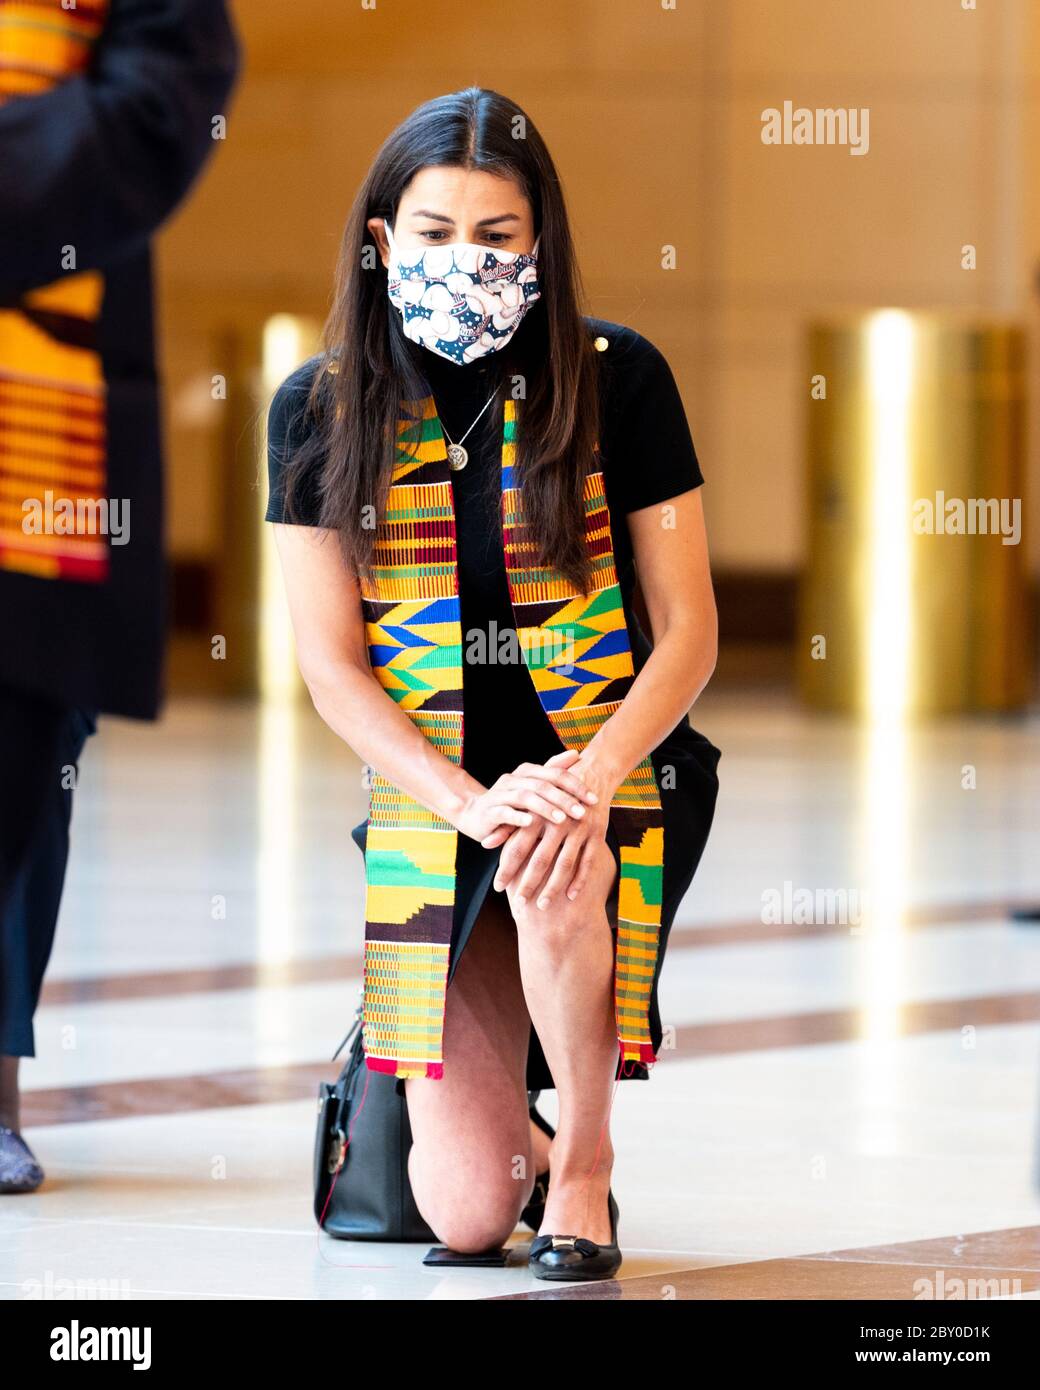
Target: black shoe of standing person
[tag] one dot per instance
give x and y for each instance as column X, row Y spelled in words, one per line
column 19, row 1171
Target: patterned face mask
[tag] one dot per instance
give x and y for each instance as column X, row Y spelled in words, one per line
column 460, row 300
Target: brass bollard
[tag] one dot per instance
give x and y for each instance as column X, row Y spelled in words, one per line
column 914, row 599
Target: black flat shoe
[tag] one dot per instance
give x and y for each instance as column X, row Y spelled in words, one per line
column 534, row 1212
column 19, row 1171
column 574, row 1257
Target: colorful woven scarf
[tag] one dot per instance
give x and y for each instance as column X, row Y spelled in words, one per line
column 577, row 652
column 53, row 451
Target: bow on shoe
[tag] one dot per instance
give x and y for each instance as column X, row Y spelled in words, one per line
column 543, row 1243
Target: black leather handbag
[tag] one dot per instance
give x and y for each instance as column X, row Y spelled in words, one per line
column 361, row 1187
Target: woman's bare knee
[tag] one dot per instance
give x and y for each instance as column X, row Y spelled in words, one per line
column 471, row 1232
column 564, row 920
column 465, row 1214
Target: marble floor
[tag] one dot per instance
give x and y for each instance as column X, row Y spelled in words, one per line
column 846, row 1105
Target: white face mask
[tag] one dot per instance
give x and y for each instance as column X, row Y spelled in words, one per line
column 461, row 300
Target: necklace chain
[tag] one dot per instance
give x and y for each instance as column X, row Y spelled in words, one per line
column 458, row 457
column 470, row 430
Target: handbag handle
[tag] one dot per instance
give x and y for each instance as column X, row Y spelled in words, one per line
column 353, row 1027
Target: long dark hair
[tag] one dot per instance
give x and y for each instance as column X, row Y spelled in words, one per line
column 356, row 405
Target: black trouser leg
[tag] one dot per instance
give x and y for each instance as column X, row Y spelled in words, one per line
column 30, row 729
column 35, row 854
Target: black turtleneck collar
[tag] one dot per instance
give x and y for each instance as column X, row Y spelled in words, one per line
column 454, row 378
column 466, row 381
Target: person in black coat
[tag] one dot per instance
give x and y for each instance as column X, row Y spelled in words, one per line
column 108, row 111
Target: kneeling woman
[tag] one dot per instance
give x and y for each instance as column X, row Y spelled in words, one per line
column 466, row 482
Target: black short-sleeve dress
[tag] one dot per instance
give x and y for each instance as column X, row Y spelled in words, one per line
column 647, row 457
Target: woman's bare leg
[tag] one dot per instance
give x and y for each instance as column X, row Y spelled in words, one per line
column 471, row 1165
column 567, row 966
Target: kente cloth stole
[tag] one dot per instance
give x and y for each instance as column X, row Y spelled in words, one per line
column 53, row 451
column 577, row 653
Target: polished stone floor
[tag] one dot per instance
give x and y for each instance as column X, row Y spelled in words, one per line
column 847, row 1106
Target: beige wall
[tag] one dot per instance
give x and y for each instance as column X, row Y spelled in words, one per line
column 653, row 116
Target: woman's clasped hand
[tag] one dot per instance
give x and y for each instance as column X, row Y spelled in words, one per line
column 545, row 816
